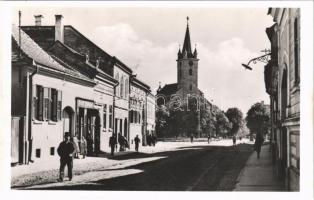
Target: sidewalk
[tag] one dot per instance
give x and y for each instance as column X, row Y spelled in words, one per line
column 258, row 174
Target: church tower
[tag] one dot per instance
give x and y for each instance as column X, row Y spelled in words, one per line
column 187, row 66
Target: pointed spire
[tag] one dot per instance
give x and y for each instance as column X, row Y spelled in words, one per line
column 179, row 52
column 187, row 40
column 195, row 52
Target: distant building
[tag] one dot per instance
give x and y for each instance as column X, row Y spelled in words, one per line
column 282, row 79
column 186, row 89
column 138, row 109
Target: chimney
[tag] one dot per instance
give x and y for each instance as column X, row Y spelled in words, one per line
column 38, row 20
column 59, row 28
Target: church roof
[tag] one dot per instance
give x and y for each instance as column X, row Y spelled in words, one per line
column 187, row 42
column 168, row 89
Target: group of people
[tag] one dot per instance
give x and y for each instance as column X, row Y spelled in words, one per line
column 123, row 143
column 151, row 140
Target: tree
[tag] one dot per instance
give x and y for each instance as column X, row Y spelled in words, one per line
column 258, row 118
column 162, row 118
column 235, row 117
column 223, row 125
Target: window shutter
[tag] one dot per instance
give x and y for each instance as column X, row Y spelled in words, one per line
column 40, row 102
column 34, row 102
column 59, row 105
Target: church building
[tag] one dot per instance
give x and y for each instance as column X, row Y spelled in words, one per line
column 186, row 88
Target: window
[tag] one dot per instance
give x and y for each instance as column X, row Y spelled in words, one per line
column 47, row 103
column 190, row 87
column 52, row 151
column 39, row 103
column 296, row 53
column 38, row 151
column 126, row 88
column 121, row 87
column 105, row 116
column 110, row 116
column 190, row 72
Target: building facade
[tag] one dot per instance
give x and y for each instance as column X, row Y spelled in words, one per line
column 138, row 109
column 282, row 79
column 63, row 82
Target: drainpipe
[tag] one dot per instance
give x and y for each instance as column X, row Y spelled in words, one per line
column 28, row 129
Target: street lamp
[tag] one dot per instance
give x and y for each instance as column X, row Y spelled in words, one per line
column 264, row 58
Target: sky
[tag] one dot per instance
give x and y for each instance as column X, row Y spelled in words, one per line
column 147, row 40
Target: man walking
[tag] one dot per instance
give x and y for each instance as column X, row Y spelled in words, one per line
column 112, row 143
column 258, row 144
column 137, row 142
column 66, row 152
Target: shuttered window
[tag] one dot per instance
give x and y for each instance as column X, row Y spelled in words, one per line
column 110, row 116
column 34, row 103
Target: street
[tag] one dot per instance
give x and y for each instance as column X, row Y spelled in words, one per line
column 190, row 168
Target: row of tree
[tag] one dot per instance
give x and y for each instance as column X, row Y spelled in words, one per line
column 212, row 121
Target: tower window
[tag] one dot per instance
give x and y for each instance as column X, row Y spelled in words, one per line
column 190, row 72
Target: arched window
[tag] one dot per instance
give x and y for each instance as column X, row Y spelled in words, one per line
column 121, row 86
column 296, row 52
column 190, row 72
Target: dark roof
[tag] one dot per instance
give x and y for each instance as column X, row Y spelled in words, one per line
column 121, row 64
column 77, row 62
column 35, row 52
column 168, row 89
column 140, row 83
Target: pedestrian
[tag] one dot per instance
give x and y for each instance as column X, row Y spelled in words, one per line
column 137, row 142
column 83, row 147
column 208, row 138
column 66, row 151
column 258, row 144
column 154, row 139
column 76, row 145
column 112, row 143
column 234, row 140
column 191, row 138
column 89, row 141
column 121, row 142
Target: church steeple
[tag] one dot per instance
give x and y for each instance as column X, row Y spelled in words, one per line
column 187, row 41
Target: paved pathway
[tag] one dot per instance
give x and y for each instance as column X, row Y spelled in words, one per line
column 259, row 174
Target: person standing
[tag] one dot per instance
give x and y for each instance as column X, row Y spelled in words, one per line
column 191, row 138
column 83, row 147
column 76, row 145
column 208, row 138
column 137, row 142
column 112, row 143
column 66, row 152
column 258, row 144
column 234, row 140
